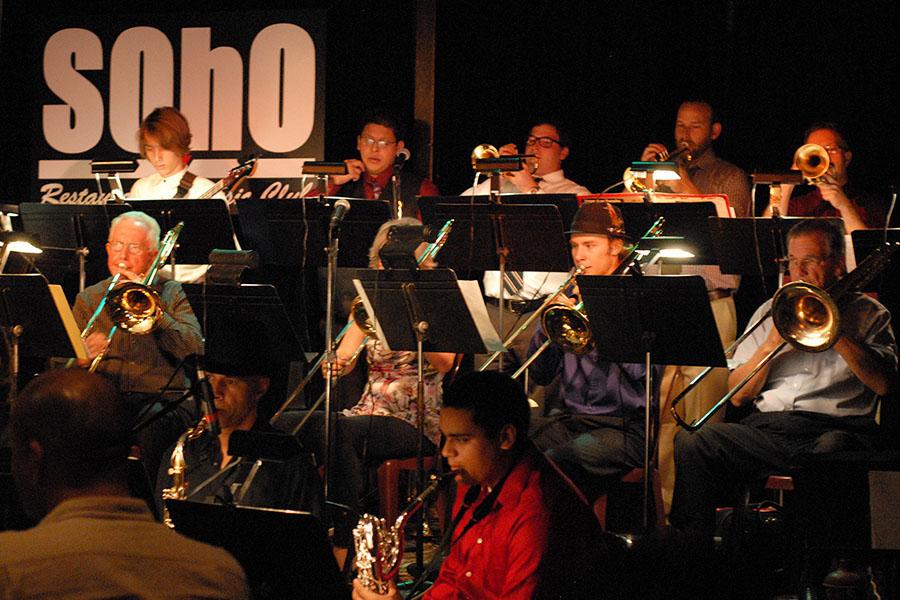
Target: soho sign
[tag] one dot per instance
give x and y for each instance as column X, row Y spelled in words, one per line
column 280, row 96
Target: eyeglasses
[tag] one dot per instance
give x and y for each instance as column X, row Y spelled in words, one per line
column 132, row 248
column 833, row 149
column 543, row 141
column 369, row 142
column 806, row 263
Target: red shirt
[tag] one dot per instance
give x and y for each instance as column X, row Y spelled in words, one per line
column 499, row 556
column 383, row 181
column 811, row 204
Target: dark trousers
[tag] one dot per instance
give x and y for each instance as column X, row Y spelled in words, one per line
column 713, row 463
column 594, row 451
column 358, row 443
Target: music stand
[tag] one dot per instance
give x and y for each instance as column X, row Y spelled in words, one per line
column 566, row 203
column 426, row 311
column 79, row 229
column 687, row 220
column 294, row 231
column 207, row 226
column 283, row 552
column 647, row 320
column 36, row 321
column 733, row 237
column 222, row 308
column 502, row 237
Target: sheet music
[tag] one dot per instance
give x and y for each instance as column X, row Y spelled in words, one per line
column 471, row 293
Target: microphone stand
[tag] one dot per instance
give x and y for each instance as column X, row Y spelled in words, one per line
column 420, row 327
column 332, row 251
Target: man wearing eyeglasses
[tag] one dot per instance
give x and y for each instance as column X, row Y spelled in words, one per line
column 141, row 366
column 524, row 291
column 804, row 402
column 833, row 197
column 379, row 142
column 543, row 174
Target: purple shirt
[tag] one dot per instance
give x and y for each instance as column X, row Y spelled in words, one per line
column 589, row 385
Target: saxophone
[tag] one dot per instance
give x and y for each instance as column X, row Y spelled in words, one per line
column 379, row 546
column 179, row 488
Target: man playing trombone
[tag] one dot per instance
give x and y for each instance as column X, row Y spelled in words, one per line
column 805, row 402
column 598, row 431
column 140, row 365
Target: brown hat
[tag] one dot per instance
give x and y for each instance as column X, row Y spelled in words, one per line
column 598, row 218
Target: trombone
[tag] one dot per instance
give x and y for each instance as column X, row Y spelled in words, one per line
column 361, row 318
column 568, row 326
column 806, row 316
column 134, row 307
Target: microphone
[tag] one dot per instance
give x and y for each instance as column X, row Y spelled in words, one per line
column 403, row 155
column 205, row 395
column 341, row 207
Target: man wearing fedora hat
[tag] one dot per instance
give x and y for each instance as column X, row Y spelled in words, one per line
column 239, row 369
column 596, row 432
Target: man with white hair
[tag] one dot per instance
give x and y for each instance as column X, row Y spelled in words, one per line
column 141, row 365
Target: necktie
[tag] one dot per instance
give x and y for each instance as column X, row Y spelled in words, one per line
column 376, row 190
column 514, row 281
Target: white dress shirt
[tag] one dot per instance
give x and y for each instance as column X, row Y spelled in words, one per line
column 822, row 382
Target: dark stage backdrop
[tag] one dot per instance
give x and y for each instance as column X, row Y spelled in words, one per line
column 612, row 72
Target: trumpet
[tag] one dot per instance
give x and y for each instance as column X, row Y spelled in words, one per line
column 806, row 316
column 813, row 162
column 634, row 185
column 134, row 307
column 482, row 151
column 683, row 149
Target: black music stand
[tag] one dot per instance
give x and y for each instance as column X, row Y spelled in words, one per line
column 72, row 229
column 36, row 321
column 285, row 554
column 647, row 320
column 222, row 308
column 294, row 231
column 207, row 226
column 502, row 237
column 566, row 203
column 752, row 245
column 426, row 311
column 687, row 220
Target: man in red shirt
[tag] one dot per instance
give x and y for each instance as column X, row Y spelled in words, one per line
column 834, row 195
column 520, row 530
column 380, row 142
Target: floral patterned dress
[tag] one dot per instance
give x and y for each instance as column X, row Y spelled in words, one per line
column 391, row 389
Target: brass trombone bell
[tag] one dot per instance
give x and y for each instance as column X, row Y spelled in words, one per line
column 813, row 162
column 806, row 316
column 568, row 327
column 361, row 317
column 135, row 307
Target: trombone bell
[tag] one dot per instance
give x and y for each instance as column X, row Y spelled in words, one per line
column 135, row 307
column 361, row 317
column 568, row 327
column 806, row 317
